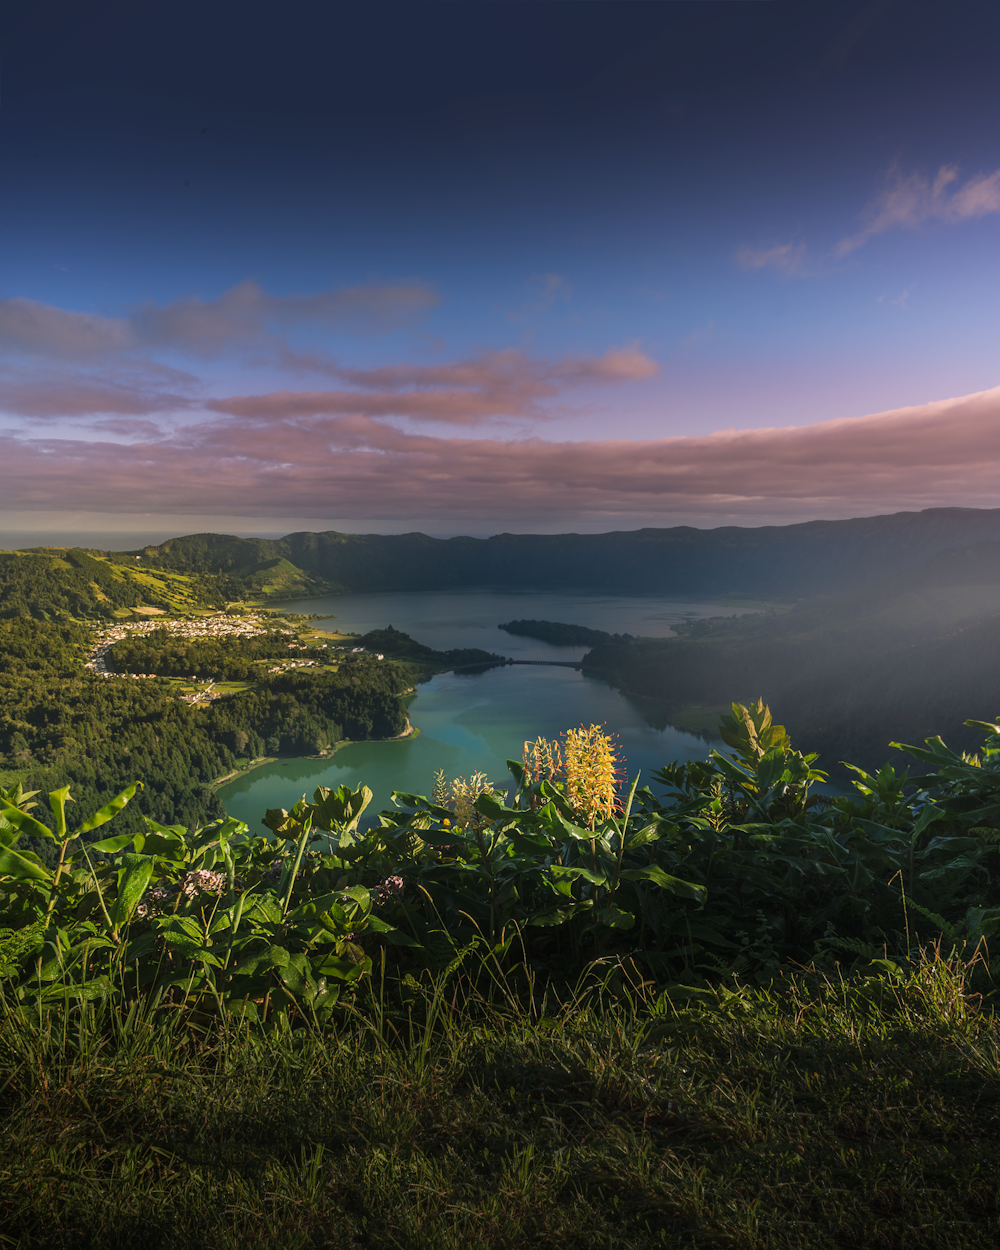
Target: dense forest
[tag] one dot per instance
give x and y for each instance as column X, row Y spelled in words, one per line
column 75, row 585
column 399, row 646
column 61, row 724
column 561, row 635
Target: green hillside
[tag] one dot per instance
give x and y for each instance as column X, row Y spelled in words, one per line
column 70, row 583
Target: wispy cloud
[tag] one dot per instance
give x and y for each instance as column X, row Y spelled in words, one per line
column 58, row 391
column 790, row 258
column 27, row 326
column 701, row 335
column 243, row 316
column 908, row 200
column 359, row 467
column 545, row 290
column 905, row 201
column 506, row 384
column 246, row 313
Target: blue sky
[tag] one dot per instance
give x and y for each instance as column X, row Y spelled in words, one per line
column 470, row 267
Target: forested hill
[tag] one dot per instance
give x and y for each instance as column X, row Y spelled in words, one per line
column 70, row 583
column 792, row 561
column 915, row 655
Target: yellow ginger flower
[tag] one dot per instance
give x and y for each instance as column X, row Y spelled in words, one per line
column 592, row 770
column 462, row 799
column 542, row 761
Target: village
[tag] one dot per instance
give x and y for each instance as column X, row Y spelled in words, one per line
column 218, row 626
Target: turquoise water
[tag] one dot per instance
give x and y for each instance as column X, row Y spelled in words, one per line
column 473, row 722
column 469, row 723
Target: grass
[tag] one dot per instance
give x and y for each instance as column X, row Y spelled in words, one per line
column 820, row 1113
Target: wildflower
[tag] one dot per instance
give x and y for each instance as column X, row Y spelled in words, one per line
column 202, row 881
column 155, row 902
column 463, row 799
column 542, row 762
column 387, row 890
column 592, row 770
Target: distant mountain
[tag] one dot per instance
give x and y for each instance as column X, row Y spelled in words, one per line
column 770, row 562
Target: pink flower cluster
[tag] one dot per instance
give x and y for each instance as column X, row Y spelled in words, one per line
column 202, row 881
column 386, row 891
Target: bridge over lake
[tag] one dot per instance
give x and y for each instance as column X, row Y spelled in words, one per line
column 462, row 668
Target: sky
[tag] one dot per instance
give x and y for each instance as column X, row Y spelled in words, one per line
column 544, row 266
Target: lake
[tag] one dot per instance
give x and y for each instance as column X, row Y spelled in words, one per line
column 472, row 722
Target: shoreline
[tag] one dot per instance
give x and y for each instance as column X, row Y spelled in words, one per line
column 411, row 731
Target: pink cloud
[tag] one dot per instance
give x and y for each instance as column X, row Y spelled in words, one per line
column 241, row 316
column 131, row 388
column 451, row 407
column 355, row 466
column 908, row 200
column 28, row 326
column 247, row 313
column 492, row 385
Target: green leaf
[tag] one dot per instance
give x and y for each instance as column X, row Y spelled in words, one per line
column 25, row 823
column 493, row 809
column 110, row 809
column 559, row 915
column 342, row 969
column 516, row 769
column 111, row 846
column 650, row 833
column 57, row 801
column 403, row 799
column 295, row 973
column 614, row 918
column 381, row 929
column 22, row 866
column 133, row 878
column 572, row 872
column 550, row 818
column 339, row 809
column 654, row 873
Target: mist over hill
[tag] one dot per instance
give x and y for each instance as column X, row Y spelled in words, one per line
column 791, row 561
column 913, row 654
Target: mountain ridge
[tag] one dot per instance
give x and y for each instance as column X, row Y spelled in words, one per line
column 792, row 561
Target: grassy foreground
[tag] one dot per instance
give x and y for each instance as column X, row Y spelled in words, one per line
column 822, row 1112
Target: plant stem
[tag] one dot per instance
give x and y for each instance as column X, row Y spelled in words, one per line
column 303, row 837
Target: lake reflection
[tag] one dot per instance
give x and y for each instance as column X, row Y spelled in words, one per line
column 469, row 722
